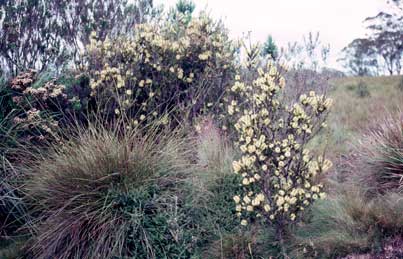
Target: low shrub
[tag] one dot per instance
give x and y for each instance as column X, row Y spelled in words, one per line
column 37, row 105
column 362, row 90
column 107, row 193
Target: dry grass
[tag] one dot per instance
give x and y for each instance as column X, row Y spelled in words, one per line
column 351, row 114
column 377, row 159
column 348, row 223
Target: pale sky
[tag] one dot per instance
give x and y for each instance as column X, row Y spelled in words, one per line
column 338, row 21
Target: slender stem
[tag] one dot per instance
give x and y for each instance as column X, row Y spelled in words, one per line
column 280, row 238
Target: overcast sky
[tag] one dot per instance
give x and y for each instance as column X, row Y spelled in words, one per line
column 338, row 21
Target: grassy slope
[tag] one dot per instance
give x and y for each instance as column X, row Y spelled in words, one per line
column 352, row 114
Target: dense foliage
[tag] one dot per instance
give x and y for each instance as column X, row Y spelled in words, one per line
column 162, row 69
column 129, row 133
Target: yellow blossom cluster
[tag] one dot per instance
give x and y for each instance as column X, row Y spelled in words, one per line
column 278, row 173
column 160, row 68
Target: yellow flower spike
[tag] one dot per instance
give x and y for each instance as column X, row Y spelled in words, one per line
column 236, row 166
column 251, row 149
column 280, row 201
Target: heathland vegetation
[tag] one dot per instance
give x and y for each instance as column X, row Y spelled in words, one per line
column 127, row 131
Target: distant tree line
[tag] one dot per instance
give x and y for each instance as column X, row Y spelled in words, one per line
column 382, row 50
column 38, row 34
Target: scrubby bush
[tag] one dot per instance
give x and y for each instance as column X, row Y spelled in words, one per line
column 362, row 89
column 177, row 68
column 278, row 172
column 106, row 193
column 39, row 104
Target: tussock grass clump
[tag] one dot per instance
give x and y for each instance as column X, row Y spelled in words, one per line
column 349, row 223
column 106, row 193
column 379, row 161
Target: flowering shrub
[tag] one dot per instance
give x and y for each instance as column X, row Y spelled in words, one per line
column 161, row 68
column 278, row 171
column 39, row 104
column 31, row 104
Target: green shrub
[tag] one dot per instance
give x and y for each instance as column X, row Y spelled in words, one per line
column 362, row 90
column 351, row 87
column 165, row 67
column 36, row 106
column 109, row 194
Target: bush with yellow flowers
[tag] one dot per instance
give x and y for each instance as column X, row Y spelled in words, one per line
column 278, row 172
column 162, row 68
